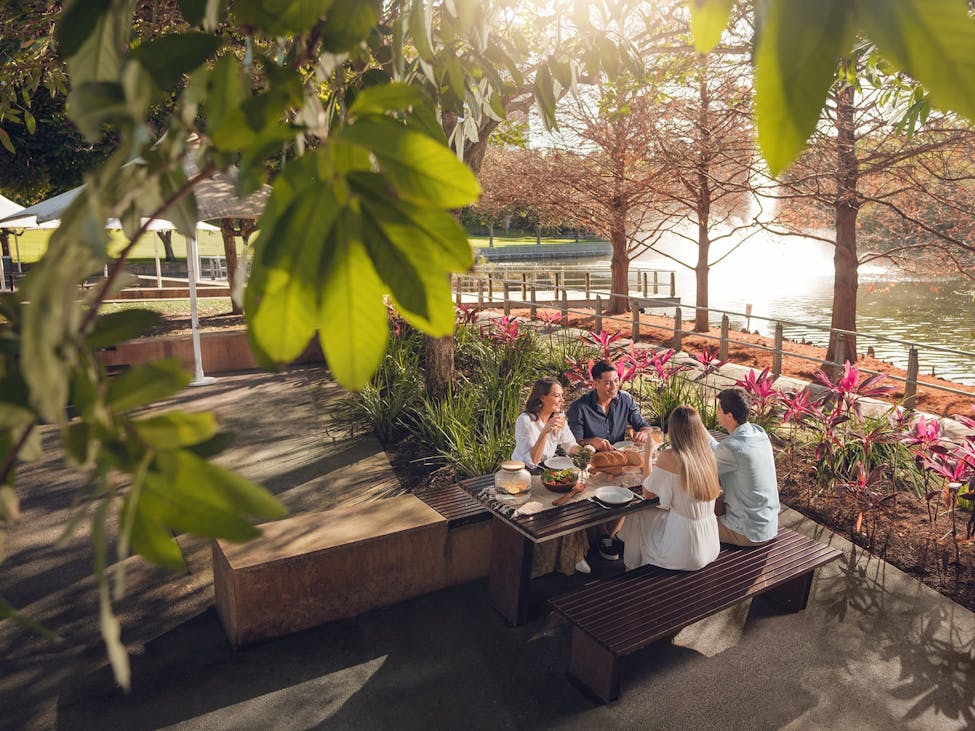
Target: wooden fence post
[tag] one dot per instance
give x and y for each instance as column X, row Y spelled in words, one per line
column 490, row 288
column 598, row 325
column 777, row 353
column 673, row 284
column 723, row 343
column 565, row 307
column 588, row 285
column 480, row 291
column 656, row 282
column 459, row 287
column 533, row 310
column 678, row 329
column 910, row 387
column 507, row 297
column 524, row 286
column 558, row 281
column 635, row 324
column 644, row 285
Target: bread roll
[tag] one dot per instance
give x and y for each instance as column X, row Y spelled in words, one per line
column 612, row 458
column 635, row 459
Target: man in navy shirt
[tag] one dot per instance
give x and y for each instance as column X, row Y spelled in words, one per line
column 600, row 417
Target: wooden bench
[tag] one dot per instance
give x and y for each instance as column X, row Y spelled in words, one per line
column 467, row 551
column 614, row 618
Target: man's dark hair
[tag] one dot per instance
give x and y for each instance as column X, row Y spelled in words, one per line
column 603, row 366
column 735, row 401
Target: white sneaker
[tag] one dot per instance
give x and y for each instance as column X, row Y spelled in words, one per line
column 583, row 567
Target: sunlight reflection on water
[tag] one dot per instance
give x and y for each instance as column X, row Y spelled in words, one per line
column 794, row 282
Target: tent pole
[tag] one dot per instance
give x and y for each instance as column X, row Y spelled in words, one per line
column 155, row 250
column 20, row 269
column 191, row 264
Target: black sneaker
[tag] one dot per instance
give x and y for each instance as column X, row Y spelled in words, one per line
column 607, row 549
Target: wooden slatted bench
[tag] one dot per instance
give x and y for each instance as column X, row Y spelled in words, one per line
column 454, row 504
column 467, row 550
column 614, row 618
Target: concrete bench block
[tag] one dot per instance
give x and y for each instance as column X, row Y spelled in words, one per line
column 319, row 567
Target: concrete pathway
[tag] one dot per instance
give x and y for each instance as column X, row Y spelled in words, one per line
column 875, row 649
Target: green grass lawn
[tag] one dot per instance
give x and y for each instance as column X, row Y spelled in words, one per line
column 206, row 306
column 33, row 244
column 484, row 241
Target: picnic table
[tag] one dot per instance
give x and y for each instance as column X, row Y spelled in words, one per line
column 515, row 535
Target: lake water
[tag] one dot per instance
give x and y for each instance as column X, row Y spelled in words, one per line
column 793, row 281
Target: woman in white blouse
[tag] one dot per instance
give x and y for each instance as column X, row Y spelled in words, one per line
column 684, row 535
column 541, row 427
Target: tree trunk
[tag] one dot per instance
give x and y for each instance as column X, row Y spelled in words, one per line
column 439, row 371
column 228, row 232
column 490, row 228
column 619, row 301
column 167, row 241
column 702, row 270
column 847, row 206
column 538, row 234
column 5, row 243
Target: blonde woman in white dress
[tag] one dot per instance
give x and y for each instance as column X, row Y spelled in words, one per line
column 683, row 533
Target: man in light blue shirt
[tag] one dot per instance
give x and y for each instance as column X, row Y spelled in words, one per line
column 746, row 469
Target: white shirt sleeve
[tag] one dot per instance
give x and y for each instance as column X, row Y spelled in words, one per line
column 658, row 482
column 526, row 434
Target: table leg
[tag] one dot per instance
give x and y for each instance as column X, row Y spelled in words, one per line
column 511, row 565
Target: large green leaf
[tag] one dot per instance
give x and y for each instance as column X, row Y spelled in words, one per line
column 354, row 329
column 429, row 236
column 280, row 17
column 169, row 57
column 115, row 327
column 798, row 50
column 95, row 104
column 77, row 23
column 285, row 312
column 421, row 168
column 99, row 57
column 176, row 429
column 378, row 100
column 153, row 541
column 932, row 40
column 349, row 23
column 182, row 479
column 144, row 384
column 708, row 19
column 419, row 31
column 226, row 90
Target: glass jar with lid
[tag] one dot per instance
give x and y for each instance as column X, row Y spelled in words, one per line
column 513, row 483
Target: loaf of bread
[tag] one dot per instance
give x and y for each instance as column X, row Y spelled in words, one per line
column 615, row 458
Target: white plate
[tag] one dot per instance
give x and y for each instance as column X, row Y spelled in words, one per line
column 623, row 445
column 559, row 463
column 614, row 495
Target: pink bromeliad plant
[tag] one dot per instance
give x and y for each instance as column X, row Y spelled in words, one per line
column 707, row 357
column 550, row 320
column 606, row 342
column 465, row 315
column 579, row 372
column 505, row 329
column 847, row 390
column 764, row 396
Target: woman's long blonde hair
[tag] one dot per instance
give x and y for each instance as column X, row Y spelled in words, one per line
column 692, row 448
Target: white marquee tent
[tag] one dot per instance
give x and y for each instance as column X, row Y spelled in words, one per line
column 216, row 198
